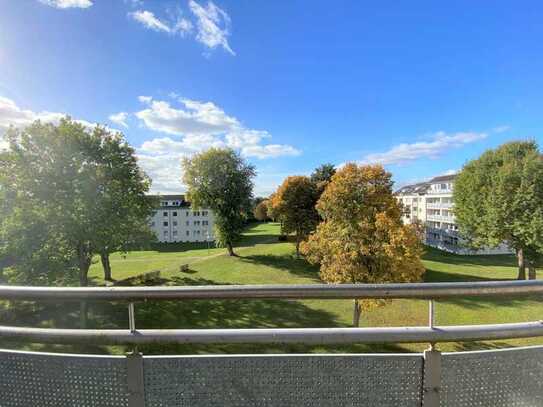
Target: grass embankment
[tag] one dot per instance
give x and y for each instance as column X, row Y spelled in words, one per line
column 263, row 260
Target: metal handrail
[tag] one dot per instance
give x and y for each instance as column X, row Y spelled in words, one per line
column 286, row 291
column 319, row 336
column 133, row 336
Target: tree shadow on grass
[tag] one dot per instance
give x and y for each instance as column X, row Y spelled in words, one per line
column 495, row 260
column 290, row 263
column 197, row 314
column 434, row 276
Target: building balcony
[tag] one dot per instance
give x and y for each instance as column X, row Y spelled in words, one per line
column 426, row 379
column 439, row 205
column 441, row 218
column 443, row 232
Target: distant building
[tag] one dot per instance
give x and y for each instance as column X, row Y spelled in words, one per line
column 175, row 221
column 431, row 203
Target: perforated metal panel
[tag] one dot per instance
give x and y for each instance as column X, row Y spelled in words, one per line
column 238, row 381
column 47, row 380
column 502, row 378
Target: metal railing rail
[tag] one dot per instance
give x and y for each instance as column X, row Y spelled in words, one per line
column 312, row 336
column 132, row 336
column 286, row 291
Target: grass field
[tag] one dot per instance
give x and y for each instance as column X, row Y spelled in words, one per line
column 264, row 260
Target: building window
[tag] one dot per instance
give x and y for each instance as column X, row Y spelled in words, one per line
column 188, row 223
column 204, row 213
column 165, row 223
column 188, row 233
column 196, row 223
column 175, row 232
column 174, row 223
column 188, row 213
column 152, row 224
column 196, row 213
column 205, row 223
column 174, row 213
column 164, row 213
column 165, row 233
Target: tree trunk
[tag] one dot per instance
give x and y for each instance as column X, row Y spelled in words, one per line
column 357, row 311
column 531, row 271
column 230, row 249
column 84, row 257
column 521, row 265
column 106, row 265
column 297, row 246
column 83, row 282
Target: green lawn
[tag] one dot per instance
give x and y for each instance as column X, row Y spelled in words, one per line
column 264, row 260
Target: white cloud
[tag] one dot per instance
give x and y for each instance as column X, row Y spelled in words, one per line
column 64, row 4
column 440, row 142
column 196, row 119
column 210, row 25
column 119, row 118
column 269, row 151
column 145, row 99
column 213, row 25
column 148, row 19
column 180, row 26
column 134, row 3
column 501, row 129
column 13, row 115
column 196, row 126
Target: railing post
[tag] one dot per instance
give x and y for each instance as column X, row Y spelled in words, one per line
column 431, row 381
column 131, row 318
column 135, row 380
column 431, row 314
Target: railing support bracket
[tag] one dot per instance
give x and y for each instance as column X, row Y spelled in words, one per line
column 431, row 378
column 135, row 379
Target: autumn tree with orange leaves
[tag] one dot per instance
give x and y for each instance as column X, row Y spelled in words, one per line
column 294, row 204
column 362, row 238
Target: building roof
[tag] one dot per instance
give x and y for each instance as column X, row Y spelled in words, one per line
column 175, row 197
column 422, row 187
column 419, row 188
column 442, row 178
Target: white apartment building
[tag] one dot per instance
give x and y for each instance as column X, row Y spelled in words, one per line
column 431, row 203
column 175, row 221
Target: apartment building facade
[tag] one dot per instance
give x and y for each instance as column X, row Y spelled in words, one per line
column 431, row 204
column 175, row 221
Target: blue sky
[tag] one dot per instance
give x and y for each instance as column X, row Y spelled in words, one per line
column 420, row 86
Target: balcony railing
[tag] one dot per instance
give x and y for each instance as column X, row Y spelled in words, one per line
column 439, row 205
column 432, row 379
column 440, row 218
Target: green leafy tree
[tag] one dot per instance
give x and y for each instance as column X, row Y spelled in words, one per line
column 219, row 179
column 294, row 202
column 72, row 193
column 499, row 198
column 124, row 207
column 362, row 238
column 323, row 173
